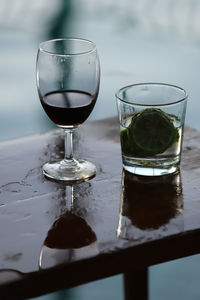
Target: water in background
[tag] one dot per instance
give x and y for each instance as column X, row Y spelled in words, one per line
column 138, row 41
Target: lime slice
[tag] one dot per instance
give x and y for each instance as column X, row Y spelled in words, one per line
column 126, row 142
column 151, row 132
column 128, row 145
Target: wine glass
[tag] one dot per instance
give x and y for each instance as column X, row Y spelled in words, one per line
column 68, row 77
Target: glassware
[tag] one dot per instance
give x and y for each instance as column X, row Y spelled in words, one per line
column 68, row 77
column 151, row 117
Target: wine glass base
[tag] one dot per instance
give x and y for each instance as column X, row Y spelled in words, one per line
column 59, row 172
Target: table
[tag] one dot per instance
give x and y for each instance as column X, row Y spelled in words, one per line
column 129, row 222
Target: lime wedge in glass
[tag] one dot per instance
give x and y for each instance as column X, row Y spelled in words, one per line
column 151, row 132
column 129, row 147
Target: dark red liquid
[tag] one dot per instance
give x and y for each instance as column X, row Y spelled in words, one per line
column 68, row 107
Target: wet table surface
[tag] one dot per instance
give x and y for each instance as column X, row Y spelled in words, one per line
column 55, row 236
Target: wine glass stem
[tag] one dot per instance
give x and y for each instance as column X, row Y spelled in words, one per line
column 68, row 146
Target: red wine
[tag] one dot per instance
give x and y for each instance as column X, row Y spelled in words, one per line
column 68, row 107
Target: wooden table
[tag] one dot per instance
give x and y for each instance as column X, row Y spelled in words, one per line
column 128, row 222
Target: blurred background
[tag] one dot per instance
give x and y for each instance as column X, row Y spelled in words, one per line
column 138, row 41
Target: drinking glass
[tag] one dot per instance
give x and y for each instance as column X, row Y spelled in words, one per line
column 151, row 117
column 68, row 77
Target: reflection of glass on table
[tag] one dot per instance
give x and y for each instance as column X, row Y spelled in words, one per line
column 150, row 206
column 69, row 237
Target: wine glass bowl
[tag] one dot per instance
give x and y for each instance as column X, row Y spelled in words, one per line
column 68, row 77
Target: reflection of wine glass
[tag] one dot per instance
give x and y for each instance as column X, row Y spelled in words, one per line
column 68, row 76
column 149, row 203
column 69, row 237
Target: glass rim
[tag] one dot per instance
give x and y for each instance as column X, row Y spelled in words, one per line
column 41, row 48
column 185, row 97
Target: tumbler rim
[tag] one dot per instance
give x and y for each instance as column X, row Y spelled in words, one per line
column 185, row 95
